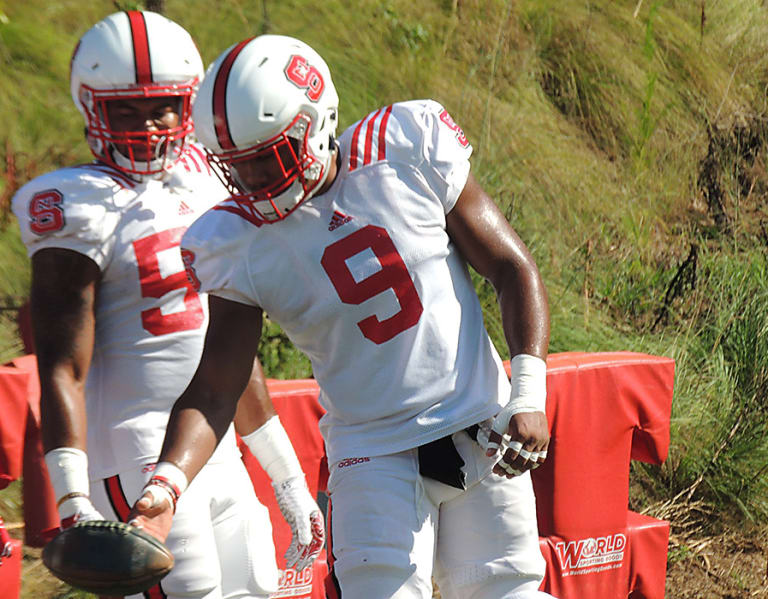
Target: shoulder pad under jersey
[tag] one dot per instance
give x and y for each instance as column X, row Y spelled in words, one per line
column 215, row 251
column 417, row 133
column 74, row 208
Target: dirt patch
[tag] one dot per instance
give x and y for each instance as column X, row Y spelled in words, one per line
column 731, row 565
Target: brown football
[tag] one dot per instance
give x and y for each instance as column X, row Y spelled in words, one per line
column 107, row 558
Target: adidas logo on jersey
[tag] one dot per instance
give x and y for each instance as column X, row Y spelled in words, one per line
column 338, row 219
column 352, row 461
column 184, row 209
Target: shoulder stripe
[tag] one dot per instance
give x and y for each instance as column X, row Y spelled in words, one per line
column 199, row 156
column 370, row 153
column 233, row 206
column 121, row 179
column 140, row 46
column 221, row 125
column 369, row 137
column 355, row 143
column 383, row 133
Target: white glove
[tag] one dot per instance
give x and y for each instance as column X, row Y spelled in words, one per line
column 77, row 509
column 303, row 515
column 272, row 447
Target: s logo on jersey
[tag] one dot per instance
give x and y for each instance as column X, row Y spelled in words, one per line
column 305, row 76
column 45, row 212
column 188, row 257
column 448, row 120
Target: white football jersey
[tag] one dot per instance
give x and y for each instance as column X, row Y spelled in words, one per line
column 365, row 280
column 150, row 322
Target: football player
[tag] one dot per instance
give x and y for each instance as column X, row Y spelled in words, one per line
column 119, row 328
column 358, row 248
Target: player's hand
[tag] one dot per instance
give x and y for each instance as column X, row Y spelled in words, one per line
column 303, row 515
column 153, row 512
column 521, row 441
column 77, row 509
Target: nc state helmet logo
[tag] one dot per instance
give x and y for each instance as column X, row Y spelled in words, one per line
column 305, row 76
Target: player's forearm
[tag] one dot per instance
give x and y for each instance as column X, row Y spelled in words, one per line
column 255, row 406
column 198, row 421
column 62, row 409
column 524, row 311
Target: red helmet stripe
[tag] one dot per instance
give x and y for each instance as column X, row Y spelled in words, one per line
column 140, row 46
column 220, row 123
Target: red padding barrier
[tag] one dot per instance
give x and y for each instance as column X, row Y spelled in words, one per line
column 10, row 570
column 13, row 407
column 604, row 409
column 41, row 520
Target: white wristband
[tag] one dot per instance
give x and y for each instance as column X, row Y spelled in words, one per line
column 68, row 471
column 168, row 481
column 172, row 474
column 271, row 446
column 529, row 384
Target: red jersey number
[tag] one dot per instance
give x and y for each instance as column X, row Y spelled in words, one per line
column 153, row 284
column 393, row 275
column 45, row 212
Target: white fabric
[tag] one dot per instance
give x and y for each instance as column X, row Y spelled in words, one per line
column 486, row 539
column 434, row 370
column 271, row 446
column 529, row 384
column 172, row 474
column 68, row 472
column 218, row 534
column 150, row 324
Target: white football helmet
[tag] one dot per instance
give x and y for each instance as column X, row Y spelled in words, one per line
column 134, row 55
column 267, row 112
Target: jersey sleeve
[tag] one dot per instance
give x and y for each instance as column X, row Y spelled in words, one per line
column 441, row 150
column 215, row 256
column 69, row 209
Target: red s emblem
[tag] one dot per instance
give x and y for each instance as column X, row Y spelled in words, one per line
column 305, row 76
column 448, row 120
column 45, row 212
column 188, row 257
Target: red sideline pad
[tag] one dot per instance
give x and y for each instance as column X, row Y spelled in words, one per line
column 10, row 572
column 41, row 520
column 13, row 407
column 604, row 409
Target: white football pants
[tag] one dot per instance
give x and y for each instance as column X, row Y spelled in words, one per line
column 221, row 538
column 392, row 530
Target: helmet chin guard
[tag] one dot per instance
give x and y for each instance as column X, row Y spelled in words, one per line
column 296, row 173
column 267, row 113
column 135, row 55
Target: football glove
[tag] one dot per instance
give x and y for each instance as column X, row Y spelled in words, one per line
column 303, row 515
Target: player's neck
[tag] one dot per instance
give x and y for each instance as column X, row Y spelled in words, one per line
column 333, row 171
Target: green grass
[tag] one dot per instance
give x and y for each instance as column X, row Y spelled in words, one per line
column 615, row 142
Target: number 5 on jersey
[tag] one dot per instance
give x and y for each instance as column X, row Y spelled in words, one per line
column 393, row 275
column 155, row 285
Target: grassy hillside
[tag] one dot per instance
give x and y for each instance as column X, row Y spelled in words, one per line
column 625, row 140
